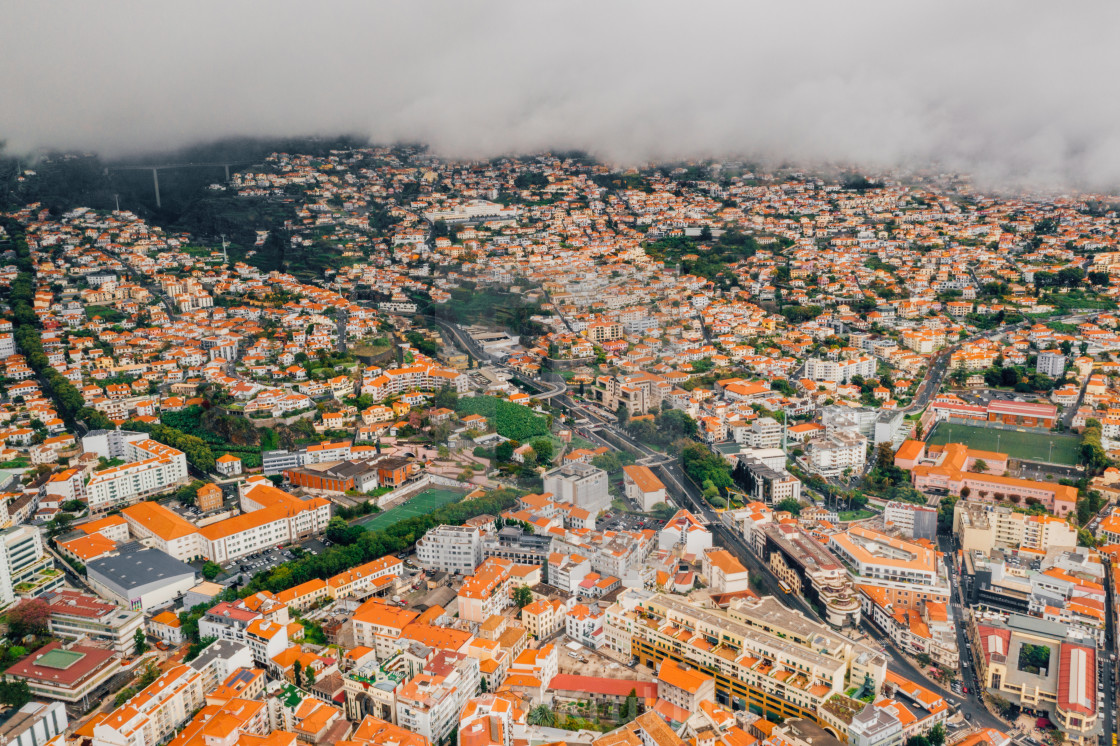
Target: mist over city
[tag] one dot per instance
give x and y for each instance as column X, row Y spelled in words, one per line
column 1013, row 92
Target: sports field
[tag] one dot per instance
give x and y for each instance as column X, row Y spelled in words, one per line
column 423, row 503
column 1028, row 445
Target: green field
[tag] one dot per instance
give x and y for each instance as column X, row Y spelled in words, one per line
column 423, row 503
column 1029, row 445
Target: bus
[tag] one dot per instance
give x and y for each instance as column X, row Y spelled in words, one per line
column 786, row 589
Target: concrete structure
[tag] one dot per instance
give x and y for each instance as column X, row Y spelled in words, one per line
column 908, row 573
column 809, row 570
column 914, row 521
column 74, row 615
column 155, row 713
column 151, row 468
column 984, row 526
column 34, row 724
column 25, row 567
column 71, row 673
column 765, row 484
column 686, row 531
column 725, row 574
column 766, row 657
column 140, row 578
column 643, row 487
column 1051, row 363
column 581, row 484
column 454, row 549
column 833, row 454
column 1040, row 666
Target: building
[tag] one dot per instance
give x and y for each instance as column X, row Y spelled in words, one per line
column 840, row 371
column 914, row 521
column 487, row 592
column 25, row 567
column 835, row 453
column 643, row 487
column 984, row 527
column 430, row 702
column 949, row 472
column 582, row 485
column 151, row 469
column 767, row 658
column 72, row 673
column 75, row 615
column 686, row 531
column 908, row 573
column 1041, row 667
column 160, row 527
column 875, row 726
column 1051, row 363
column 724, row 572
column 453, row 549
column 34, row 724
column 809, row 570
column 683, row 686
column 140, row 578
column 763, row 483
column 208, row 497
column 228, row 465
column 154, row 714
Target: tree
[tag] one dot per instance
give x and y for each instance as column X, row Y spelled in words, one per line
column 790, row 505
column 297, row 673
column 14, row 693
column 543, row 448
column 309, row 673
column 522, row 596
column 632, row 704
column 924, row 660
column 980, row 466
column 124, row 695
column 140, row 641
column 504, row 451
column 30, row 617
column 211, row 570
column 936, row 735
column 60, row 524
column 542, row 716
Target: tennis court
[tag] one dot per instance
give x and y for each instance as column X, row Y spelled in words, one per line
column 425, row 502
column 1026, row 445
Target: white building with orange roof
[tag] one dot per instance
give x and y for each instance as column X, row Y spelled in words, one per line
column 164, row 529
column 493, row 720
column 543, row 617
column 228, row 465
column 155, row 713
column 375, row 577
column 429, row 704
column 725, row 574
column 684, row 686
column 487, row 592
column 379, row 625
column 643, row 487
column 304, row 595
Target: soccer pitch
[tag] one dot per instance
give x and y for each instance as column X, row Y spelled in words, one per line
column 425, row 502
column 1027, row 445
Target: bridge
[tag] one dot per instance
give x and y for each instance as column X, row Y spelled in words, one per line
column 155, row 168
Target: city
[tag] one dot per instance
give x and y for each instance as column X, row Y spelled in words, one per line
column 535, row 450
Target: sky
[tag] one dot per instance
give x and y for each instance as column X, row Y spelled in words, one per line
column 1016, row 91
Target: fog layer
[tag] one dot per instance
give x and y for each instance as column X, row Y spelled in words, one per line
column 1018, row 91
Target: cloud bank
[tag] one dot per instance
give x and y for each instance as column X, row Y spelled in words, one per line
column 1019, row 91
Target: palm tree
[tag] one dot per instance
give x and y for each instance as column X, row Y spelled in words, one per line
column 541, row 715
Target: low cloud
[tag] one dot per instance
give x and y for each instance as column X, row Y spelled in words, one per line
column 1016, row 92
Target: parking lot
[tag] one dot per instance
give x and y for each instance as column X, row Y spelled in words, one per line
column 248, row 566
column 616, row 521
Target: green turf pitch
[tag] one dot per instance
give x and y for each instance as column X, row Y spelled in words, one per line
column 1028, row 445
column 423, row 503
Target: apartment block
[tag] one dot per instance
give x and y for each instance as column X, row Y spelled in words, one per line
column 453, row 549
